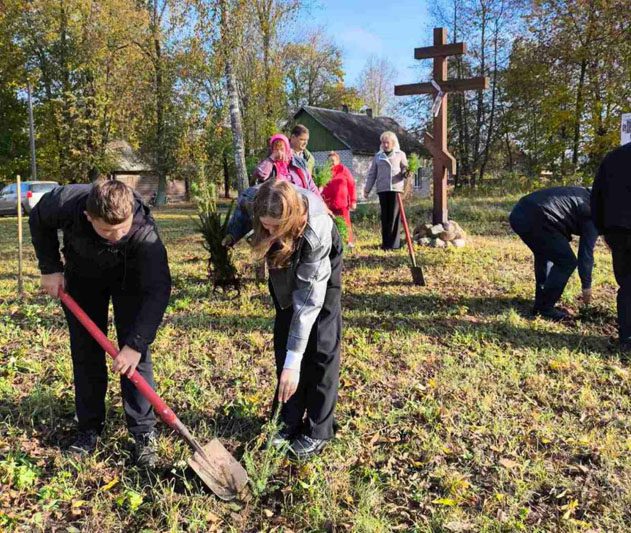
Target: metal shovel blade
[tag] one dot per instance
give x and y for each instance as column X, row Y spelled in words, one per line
column 221, row 472
column 417, row 275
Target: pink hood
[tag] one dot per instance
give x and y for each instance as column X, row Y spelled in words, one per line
column 281, row 137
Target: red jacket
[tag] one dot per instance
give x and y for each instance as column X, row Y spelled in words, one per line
column 340, row 193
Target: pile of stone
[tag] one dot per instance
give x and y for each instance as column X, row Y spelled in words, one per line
column 440, row 235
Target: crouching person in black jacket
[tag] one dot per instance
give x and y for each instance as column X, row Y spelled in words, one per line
column 546, row 220
column 111, row 250
column 611, row 209
column 295, row 233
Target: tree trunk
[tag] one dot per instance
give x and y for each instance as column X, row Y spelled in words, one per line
column 458, row 106
column 160, row 97
column 226, row 175
column 66, row 126
column 490, row 133
column 578, row 111
column 237, row 129
column 480, row 100
column 236, row 123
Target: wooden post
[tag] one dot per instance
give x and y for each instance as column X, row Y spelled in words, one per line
column 20, row 280
column 440, row 214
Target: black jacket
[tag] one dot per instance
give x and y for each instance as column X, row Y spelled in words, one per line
column 564, row 209
column 138, row 262
column 611, row 193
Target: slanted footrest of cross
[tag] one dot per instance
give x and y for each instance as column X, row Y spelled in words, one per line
column 439, row 155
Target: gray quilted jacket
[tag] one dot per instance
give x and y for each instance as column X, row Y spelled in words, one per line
column 303, row 283
column 387, row 173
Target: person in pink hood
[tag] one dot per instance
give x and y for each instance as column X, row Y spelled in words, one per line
column 284, row 165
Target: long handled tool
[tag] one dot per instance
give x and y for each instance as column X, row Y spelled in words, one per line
column 417, row 271
column 219, row 470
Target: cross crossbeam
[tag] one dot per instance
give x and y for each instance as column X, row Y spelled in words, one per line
column 429, row 52
column 450, row 86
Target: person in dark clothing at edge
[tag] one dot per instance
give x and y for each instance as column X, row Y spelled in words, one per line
column 546, row 220
column 111, row 250
column 611, row 211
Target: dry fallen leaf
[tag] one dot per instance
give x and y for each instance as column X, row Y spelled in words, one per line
column 508, row 463
column 457, row 526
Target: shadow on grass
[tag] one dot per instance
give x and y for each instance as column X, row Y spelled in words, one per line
column 399, row 314
column 42, row 415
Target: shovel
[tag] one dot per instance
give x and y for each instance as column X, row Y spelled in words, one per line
column 417, row 271
column 219, row 470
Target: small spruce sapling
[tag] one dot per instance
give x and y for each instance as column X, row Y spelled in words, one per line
column 322, row 175
column 414, row 163
column 342, row 228
column 212, row 225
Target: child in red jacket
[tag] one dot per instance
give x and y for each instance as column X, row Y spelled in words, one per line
column 339, row 194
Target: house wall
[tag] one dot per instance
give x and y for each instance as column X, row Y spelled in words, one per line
column 147, row 185
column 346, row 158
column 361, row 165
column 320, row 139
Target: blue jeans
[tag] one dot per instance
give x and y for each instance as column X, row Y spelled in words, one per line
column 554, row 258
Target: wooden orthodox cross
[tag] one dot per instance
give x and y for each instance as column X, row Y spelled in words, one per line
column 440, row 86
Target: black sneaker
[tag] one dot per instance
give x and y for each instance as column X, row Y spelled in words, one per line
column 85, row 443
column 282, row 439
column 305, row 446
column 146, row 450
column 553, row 313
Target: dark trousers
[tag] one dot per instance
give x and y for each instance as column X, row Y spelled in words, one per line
column 620, row 244
column 316, row 395
column 390, row 220
column 88, row 358
column 554, row 258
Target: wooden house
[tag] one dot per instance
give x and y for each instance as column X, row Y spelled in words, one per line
column 132, row 169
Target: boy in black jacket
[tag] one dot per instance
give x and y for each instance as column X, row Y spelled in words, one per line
column 111, row 249
column 611, row 209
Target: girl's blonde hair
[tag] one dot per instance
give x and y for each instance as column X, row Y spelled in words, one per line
column 392, row 136
column 279, row 200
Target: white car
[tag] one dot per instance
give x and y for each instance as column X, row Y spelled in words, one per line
column 32, row 191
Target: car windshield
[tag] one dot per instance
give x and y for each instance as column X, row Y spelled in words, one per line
column 42, row 187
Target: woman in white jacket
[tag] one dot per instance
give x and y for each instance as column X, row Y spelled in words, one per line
column 387, row 173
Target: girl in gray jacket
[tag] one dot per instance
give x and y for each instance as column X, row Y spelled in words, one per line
column 388, row 172
column 303, row 249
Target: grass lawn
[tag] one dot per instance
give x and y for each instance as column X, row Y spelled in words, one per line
column 457, row 411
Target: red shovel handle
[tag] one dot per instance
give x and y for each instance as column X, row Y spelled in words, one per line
column 408, row 238
column 163, row 410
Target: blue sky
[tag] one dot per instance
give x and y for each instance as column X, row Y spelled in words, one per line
column 384, row 28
